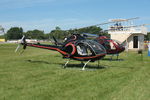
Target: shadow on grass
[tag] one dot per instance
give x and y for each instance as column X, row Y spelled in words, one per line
column 87, row 66
column 109, row 59
column 69, row 65
column 38, row 61
column 122, row 67
column 79, row 65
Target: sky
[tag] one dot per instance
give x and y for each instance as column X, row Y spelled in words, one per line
column 69, row 14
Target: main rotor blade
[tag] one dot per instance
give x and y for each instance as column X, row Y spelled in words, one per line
column 122, row 20
column 112, row 21
column 90, row 35
column 132, row 18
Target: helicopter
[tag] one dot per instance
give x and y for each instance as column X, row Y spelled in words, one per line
column 113, row 47
column 76, row 48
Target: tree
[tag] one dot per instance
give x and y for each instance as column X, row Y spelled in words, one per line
column 47, row 36
column 14, row 33
column 58, row 33
column 92, row 30
column 35, row 34
column 2, row 36
column 147, row 37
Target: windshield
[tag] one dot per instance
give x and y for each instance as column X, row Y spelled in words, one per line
column 89, row 47
column 97, row 48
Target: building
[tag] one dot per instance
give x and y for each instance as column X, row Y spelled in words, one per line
column 130, row 35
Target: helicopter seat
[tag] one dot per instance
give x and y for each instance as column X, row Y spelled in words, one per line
column 81, row 50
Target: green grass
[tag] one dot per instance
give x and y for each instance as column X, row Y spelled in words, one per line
column 37, row 74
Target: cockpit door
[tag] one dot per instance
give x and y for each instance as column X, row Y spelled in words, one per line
column 83, row 49
column 88, row 48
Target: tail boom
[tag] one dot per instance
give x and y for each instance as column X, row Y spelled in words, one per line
column 49, row 47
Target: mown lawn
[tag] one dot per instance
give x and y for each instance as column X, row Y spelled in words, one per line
column 37, row 74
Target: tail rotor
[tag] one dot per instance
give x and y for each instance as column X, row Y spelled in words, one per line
column 22, row 42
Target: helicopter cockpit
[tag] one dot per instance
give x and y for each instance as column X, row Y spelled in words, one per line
column 89, row 47
column 84, row 48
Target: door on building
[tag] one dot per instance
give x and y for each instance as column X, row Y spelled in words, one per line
column 135, row 41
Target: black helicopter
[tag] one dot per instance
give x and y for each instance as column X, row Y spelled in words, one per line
column 75, row 47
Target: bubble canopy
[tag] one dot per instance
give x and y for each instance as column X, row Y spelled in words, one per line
column 89, row 47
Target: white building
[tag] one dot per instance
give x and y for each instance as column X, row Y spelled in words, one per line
column 124, row 31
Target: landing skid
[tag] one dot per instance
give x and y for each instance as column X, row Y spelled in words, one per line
column 116, row 55
column 66, row 64
column 84, row 64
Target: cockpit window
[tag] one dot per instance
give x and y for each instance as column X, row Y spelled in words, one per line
column 88, row 47
column 108, row 44
column 83, row 50
column 97, row 48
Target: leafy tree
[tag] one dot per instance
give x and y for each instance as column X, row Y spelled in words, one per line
column 35, row 34
column 47, row 36
column 14, row 33
column 2, row 36
column 92, row 30
column 147, row 37
column 104, row 33
column 58, row 33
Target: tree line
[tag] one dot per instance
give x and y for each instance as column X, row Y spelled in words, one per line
column 17, row 32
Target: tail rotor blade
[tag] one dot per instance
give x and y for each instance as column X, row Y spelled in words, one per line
column 17, row 48
column 22, row 39
column 23, row 42
column 22, row 52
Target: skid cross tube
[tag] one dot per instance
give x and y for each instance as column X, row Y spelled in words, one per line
column 85, row 64
column 98, row 63
column 66, row 63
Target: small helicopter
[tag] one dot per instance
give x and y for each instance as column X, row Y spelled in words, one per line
column 75, row 47
column 112, row 47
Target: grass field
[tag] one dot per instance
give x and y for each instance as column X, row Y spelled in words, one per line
column 37, row 74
